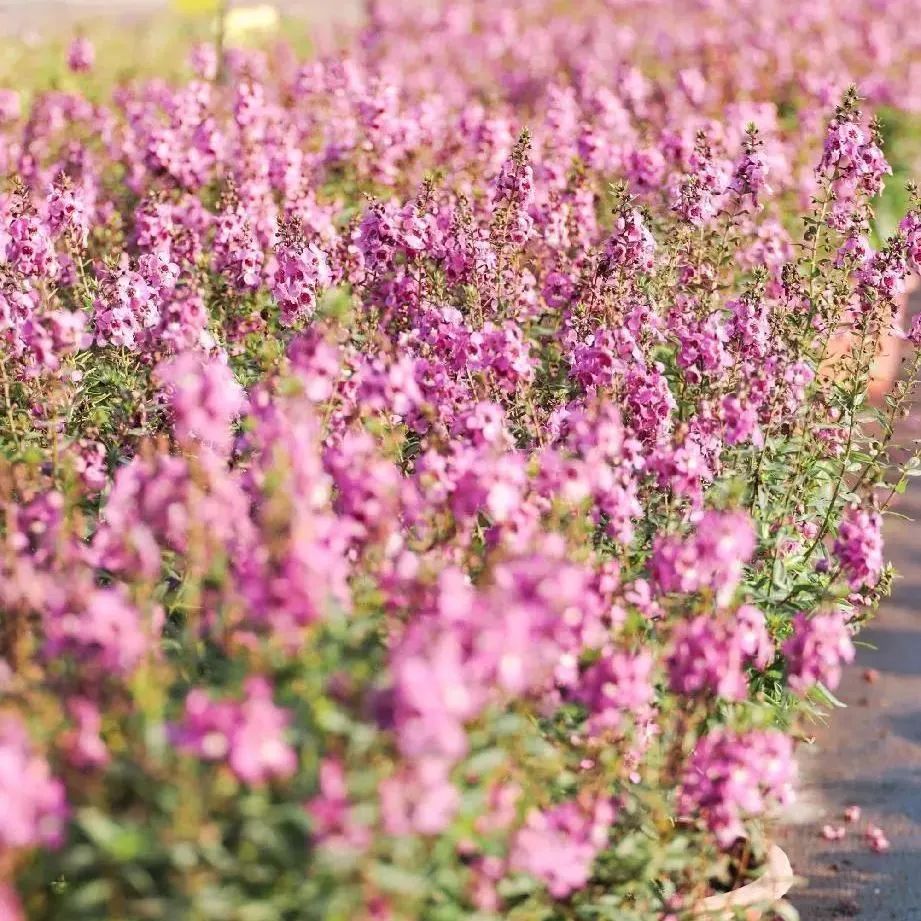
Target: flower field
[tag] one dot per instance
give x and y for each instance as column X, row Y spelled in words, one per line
column 439, row 476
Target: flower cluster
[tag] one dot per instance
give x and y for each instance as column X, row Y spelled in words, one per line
column 731, row 775
column 859, row 547
column 560, row 845
column 408, row 513
column 249, row 735
column 711, row 559
column 34, row 804
column 817, row 649
column 711, row 655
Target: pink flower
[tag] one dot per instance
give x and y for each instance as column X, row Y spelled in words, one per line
column 733, row 776
column 708, row 654
column 85, row 747
column 249, row 734
column 749, row 179
column 333, row 822
column 68, row 211
column 236, row 252
column 816, row 651
column 10, row 906
column 631, row 247
column 558, row 290
column 914, row 332
column 859, row 547
column 32, row 801
column 559, row 845
column 741, row 421
column 126, row 309
column 617, row 688
column 302, row 271
column 877, row 839
column 712, row 558
column 258, row 749
column 30, row 248
column 103, row 632
column 10, row 106
column 854, row 163
column 850, row 152
column 205, row 399
column 81, row 55
column 420, row 799
column 203, row 60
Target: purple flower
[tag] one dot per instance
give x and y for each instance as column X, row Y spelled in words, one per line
column 205, row 399
column 712, row 558
column 32, row 802
column 859, row 547
column 559, row 845
column 249, row 735
column 817, row 649
column 735, row 776
column 81, row 55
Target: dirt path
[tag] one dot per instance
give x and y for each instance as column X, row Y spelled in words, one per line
column 870, row 755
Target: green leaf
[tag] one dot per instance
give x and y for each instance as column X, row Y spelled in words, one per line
column 823, row 695
column 122, row 842
column 398, row 881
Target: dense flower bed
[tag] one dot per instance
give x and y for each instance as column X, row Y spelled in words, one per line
column 428, row 488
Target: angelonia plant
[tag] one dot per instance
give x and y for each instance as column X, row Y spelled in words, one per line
column 437, row 477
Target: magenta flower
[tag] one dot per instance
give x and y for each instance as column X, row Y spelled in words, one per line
column 734, row 776
column 205, row 399
column 859, row 547
column 32, row 801
column 558, row 845
column 248, row 735
column 817, row 649
column 81, row 55
column 713, row 557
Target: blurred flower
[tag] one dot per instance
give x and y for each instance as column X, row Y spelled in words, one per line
column 81, row 55
column 33, row 803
